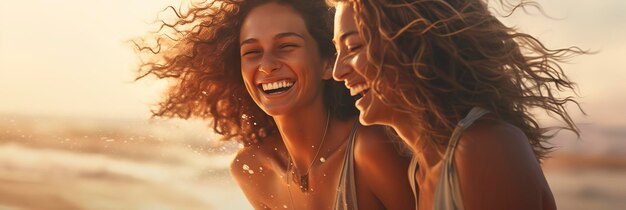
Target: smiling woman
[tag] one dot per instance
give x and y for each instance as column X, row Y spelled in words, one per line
column 201, row 51
column 261, row 71
column 458, row 87
column 281, row 62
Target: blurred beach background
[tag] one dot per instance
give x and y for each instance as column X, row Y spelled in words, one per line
column 76, row 132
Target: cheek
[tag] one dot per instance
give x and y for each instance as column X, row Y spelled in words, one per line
column 301, row 64
column 247, row 68
column 247, row 73
column 359, row 64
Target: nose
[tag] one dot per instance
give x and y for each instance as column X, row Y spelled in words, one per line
column 269, row 64
column 340, row 69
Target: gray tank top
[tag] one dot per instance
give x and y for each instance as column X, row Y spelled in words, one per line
column 448, row 193
column 346, row 191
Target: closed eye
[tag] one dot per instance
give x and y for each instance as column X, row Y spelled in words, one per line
column 288, row 46
column 354, row 48
column 250, row 52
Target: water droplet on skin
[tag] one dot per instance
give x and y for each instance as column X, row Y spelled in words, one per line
column 260, row 168
column 275, row 149
column 284, row 206
column 312, row 146
column 250, row 171
column 246, row 167
column 271, row 196
column 322, row 159
column 324, row 174
column 312, row 190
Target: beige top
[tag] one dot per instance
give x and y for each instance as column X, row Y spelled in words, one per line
column 448, row 193
column 346, row 192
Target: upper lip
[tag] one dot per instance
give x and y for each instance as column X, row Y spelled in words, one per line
column 351, row 84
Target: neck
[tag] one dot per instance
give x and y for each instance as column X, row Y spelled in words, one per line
column 302, row 133
column 426, row 154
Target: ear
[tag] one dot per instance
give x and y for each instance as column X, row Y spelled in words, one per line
column 327, row 72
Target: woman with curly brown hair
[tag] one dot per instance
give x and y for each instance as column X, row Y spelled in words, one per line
column 261, row 70
column 458, row 86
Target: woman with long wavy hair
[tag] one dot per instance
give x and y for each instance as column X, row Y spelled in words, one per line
column 458, row 86
column 261, row 71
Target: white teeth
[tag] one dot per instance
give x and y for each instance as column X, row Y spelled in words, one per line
column 276, row 85
column 357, row 89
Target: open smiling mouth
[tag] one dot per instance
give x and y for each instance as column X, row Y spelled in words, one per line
column 359, row 90
column 278, row 87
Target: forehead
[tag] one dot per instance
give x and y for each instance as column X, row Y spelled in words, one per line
column 344, row 20
column 271, row 19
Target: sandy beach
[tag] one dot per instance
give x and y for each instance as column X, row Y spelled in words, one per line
column 67, row 164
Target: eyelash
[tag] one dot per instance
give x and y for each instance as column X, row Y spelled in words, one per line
column 250, row 52
column 288, row 45
column 282, row 46
column 354, row 48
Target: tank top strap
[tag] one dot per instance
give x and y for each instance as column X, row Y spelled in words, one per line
column 346, row 191
column 463, row 124
column 448, row 192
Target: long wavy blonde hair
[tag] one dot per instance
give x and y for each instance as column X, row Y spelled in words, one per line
column 436, row 59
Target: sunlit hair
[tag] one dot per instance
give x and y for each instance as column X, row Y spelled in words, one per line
column 199, row 52
column 436, row 59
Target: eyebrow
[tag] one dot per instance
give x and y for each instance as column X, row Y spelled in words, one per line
column 278, row 36
column 288, row 34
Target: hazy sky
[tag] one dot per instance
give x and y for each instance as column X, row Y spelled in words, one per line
column 69, row 57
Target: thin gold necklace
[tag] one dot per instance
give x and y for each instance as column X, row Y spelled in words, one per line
column 304, row 179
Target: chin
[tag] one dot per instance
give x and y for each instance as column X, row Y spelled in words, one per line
column 274, row 111
column 375, row 116
column 367, row 120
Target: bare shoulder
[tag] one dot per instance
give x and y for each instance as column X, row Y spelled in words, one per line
column 497, row 168
column 382, row 170
column 493, row 141
column 375, row 149
column 251, row 168
column 251, row 159
column 371, row 141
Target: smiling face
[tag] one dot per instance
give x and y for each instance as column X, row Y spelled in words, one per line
column 352, row 67
column 280, row 62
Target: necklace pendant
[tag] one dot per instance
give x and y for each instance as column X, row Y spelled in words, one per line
column 304, row 183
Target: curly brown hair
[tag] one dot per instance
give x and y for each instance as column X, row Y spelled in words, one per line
column 437, row 59
column 200, row 53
